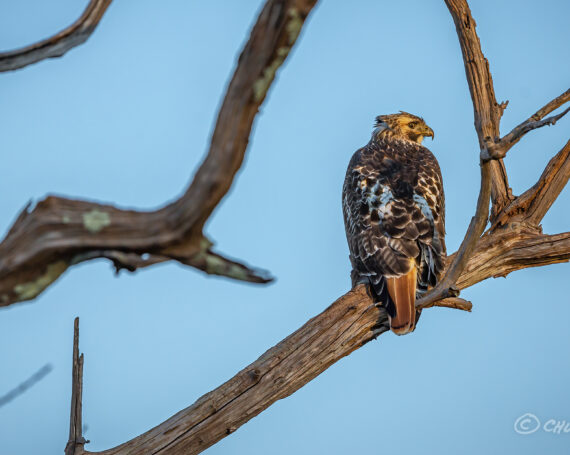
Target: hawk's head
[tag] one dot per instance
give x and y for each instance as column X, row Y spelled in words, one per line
column 403, row 125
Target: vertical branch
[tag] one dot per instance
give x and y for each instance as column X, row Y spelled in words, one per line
column 487, row 112
column 76, row 440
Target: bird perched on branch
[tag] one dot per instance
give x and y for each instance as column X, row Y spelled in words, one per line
column 394, row 215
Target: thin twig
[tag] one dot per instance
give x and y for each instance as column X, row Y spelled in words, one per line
column 551, row 106
column 57, row 45
column 24, row 386
column 499, row 149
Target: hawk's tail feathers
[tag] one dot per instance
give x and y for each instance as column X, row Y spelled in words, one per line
column 402, row 291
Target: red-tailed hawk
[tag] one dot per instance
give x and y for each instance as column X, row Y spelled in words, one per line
column 393, row 206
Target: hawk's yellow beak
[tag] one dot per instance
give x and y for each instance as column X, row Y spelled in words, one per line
column 428, row 132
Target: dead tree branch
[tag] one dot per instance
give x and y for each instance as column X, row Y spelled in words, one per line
column 59, row 233
column 346, row 325
column 57, row 45
column 499, row 149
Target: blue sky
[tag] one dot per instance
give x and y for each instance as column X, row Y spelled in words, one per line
column 127, row 117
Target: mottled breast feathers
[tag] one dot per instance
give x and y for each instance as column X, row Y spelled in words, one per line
column 393, row 206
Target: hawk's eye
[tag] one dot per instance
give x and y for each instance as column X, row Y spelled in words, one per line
column 412, row 125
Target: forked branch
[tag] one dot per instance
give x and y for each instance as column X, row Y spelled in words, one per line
column 500, row 148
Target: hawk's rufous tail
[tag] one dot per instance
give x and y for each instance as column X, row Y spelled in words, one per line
column 402, row 291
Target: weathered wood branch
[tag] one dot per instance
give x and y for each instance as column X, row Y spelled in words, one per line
column 346, row 325
column 349, row 323
column 500, row 148
column 59, row 232
column 508, row 250
column 487, row 112
column 57, row 45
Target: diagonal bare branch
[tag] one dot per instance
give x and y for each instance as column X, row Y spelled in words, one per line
column 59, row 232
column 346, row 325
column 517, row 133
column 551, row 106
column 24, row 386
column 532, row 205
column 57, row 45
column 504, row 252
column 499, row 149
column 350, row 322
